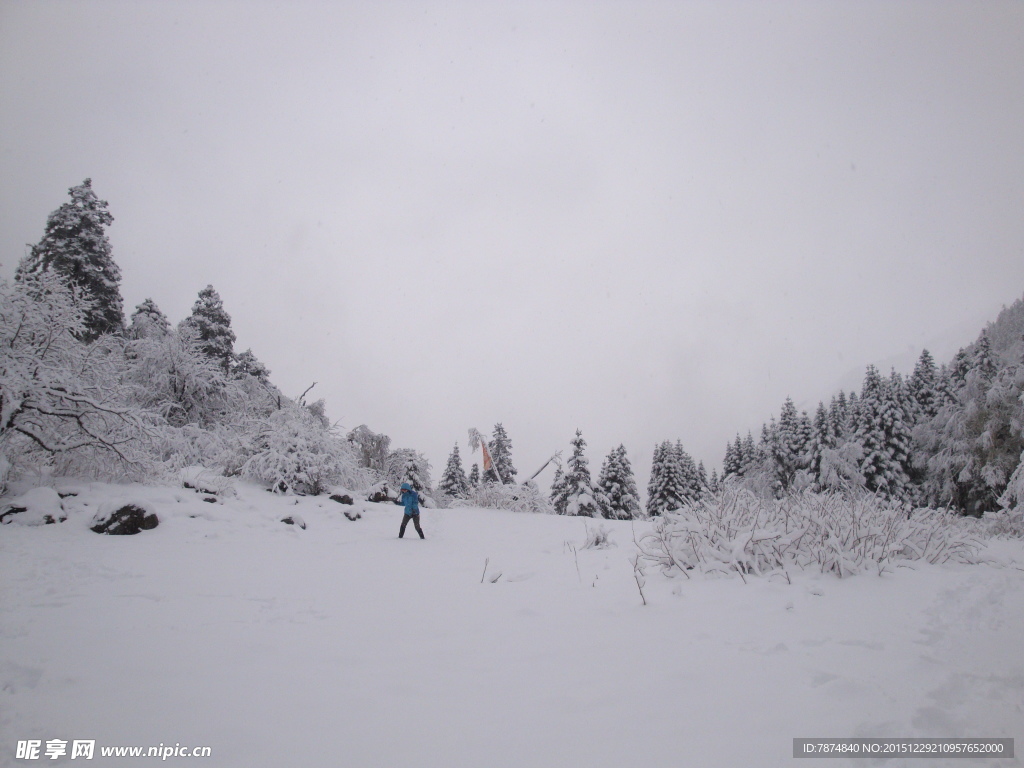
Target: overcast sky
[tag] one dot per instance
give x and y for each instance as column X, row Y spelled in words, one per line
column 646, row 220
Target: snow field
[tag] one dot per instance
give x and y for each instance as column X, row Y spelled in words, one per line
column 342, row 645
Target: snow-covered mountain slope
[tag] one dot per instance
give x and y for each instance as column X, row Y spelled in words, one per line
column 340, row 645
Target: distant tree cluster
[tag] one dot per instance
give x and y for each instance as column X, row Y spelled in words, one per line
column 946, row 437
column 614, row 496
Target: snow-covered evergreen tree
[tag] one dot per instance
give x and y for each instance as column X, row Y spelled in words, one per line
column 559, row 491
column 958, row 370
column 733, row 464
column 148, row 322
column 580, row 495
column 839, row 416
column 714, row 484
column 474, row 475
column 883, row 434
column 213, row 326
column 688, row 483
column 750, row 456
column 822, row 438
column 617, row 487
column 787, row 444
column 666, row 488
column 247, row 364
column 453, row 481
column 923, row 386
column 417, row 473
column 75, row 246
column 500, row 447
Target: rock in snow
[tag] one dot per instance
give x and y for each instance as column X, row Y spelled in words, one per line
column 119, row 519
column 40, row 506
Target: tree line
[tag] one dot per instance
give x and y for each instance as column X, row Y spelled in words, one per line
column 83, row 390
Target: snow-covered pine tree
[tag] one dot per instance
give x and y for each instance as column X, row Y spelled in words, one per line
column 959, row 369
column 579, row 489
column 656, row 485
column 885, row 438
column 787, row 445
column 474, row 475
column 688, row 484
column 714, row 484
column 984, row 361
column 148, row 322
column 839, row 416
column 453, row 481
column 617, row 487
column 247, row 364
column 213, row 324
column 664, row 490
column 75, row 246
column 500, row 447
column 416, row 471
column 559, row 491
column 900, row 391
column 821, row 439
column 751, row 456
column 733, row 464
column 923, row 386
column 702, row 477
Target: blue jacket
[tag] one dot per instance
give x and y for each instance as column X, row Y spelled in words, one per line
column 410, row 499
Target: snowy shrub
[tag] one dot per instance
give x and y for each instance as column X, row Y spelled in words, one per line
column 1006, row 524
column 294, row 451
column 597, row 538
column 516, row 498
column 736, row 531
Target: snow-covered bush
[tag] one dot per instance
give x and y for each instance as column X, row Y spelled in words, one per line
column 516, row 498
column 1005, row 524
column 598, row 537
column 294, row 451
column 737, row 531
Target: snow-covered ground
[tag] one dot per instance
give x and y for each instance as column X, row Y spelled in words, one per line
column 340, row 645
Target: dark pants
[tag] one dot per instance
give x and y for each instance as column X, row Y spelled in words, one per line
column 415, row 521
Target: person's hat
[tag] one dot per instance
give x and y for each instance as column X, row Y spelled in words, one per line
column 406, row 487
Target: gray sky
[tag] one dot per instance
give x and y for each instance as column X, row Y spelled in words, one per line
column 647, row 220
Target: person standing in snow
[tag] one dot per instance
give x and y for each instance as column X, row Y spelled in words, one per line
column 411, row 500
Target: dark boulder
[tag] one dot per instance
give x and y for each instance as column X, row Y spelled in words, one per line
column 343, row 499
column 126, row 521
